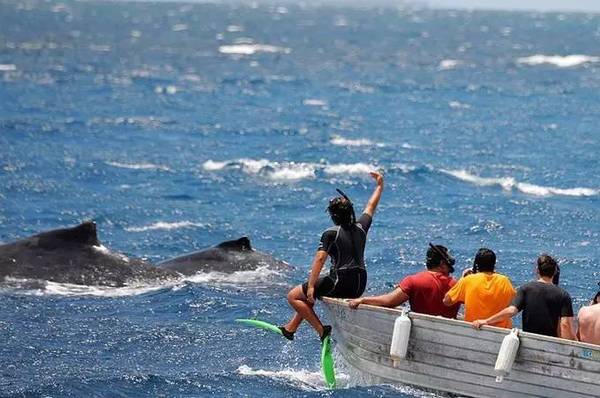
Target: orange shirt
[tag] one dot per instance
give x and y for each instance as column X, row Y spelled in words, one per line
column 483, row 294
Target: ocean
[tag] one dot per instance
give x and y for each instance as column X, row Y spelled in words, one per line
column 176, row 126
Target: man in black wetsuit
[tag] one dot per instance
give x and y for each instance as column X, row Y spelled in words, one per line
column 345, row 244
column 547, row 308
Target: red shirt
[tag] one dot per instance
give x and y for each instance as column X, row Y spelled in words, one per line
column 426, row 290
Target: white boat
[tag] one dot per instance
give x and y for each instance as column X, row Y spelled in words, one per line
column 449, row 355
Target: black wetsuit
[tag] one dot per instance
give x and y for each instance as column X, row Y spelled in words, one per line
column 346, row 246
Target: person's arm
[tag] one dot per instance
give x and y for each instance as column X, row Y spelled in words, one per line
column 390, row 300
column 317, row 266
column 456, row 294
column 506, row 313
column 565, row 328
column 376, row 195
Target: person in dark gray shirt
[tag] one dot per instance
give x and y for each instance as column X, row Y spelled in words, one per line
column 344, row 243
column 547, row 308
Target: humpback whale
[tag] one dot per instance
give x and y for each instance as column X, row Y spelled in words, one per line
column 226, row 257
column 74, row 255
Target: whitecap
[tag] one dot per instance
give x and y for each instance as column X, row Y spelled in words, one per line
column 211, row 165
column 458, row 105
column 138, row 166
column 314, row 102
column 102, row 48
column 447, row 64
column 167, row 226
column 303, row 379
column 249, row 49
column 249, row 277
column 46, row 288
column 352, row 168
column 567, row 61
column 180, row 27
column 8, row 67
column 235, row 28
column 341, row 141
column 292, row 171
column 509, row 183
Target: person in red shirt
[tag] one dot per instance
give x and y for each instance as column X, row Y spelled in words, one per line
column 424, row 290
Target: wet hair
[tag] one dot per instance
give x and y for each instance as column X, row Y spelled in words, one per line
column 485, row 260
column 547, row 266
column 434, row 257
column 596, row 298
column 341, row 211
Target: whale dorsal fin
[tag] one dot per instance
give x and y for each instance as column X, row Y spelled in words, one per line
column 241, row 244
column 83, row 234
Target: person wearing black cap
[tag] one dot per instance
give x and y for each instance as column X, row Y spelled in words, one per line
column 345, row 244
column 483, row 291
column 424, row 290
column 547, row 308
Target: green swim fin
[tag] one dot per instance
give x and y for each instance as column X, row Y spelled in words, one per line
column 261, row 325
column 327, row 364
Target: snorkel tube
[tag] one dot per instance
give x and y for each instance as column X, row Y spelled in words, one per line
column 343, row 195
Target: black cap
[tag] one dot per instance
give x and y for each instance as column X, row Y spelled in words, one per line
column 437, row 253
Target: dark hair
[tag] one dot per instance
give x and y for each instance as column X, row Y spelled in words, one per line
column 341, row 211
column 597, row 296
column 547, row 266
column 434, row 257
column 485, row 260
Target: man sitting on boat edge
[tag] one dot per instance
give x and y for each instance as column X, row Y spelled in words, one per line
column 424, row 290
column 345, row 244
column 547, row 308
column 482, row 290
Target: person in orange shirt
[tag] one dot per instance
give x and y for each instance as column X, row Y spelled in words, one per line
column 483, row 291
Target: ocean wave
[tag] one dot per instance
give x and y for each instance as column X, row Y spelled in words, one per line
column 46, row 288
column 8, row 67
column 238, row 278
column 510, row 183
column 303, row 379
column 447, row 64
column 161, row 225
column 351, row 168
column 139, row 166
column 314, row 102
column 458, row 105
column 249, row 49
column 341, row 141
column 567, row 61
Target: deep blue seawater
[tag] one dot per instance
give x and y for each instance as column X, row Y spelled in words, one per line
column 176, row 126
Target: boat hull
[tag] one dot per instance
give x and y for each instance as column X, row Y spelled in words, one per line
column 450, row 356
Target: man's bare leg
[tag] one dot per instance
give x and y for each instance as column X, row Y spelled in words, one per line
column 304, row 310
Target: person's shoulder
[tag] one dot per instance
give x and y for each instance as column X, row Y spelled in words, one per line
column 332, row 230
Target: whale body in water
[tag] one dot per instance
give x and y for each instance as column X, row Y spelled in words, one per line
column 74, row 255
column 226, row 257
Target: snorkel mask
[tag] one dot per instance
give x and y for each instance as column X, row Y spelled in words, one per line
column 448, row 259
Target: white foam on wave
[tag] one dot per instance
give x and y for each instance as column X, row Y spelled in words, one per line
column 352, row 168
column 8, row 67
column 47, row 288
column 303, row 379
column 258, row 275
column 447, row 64
column 167, row 226
column 341, row 141
column 286, row 171
column 509, row 183
column 567, row 61
column 314, row 102
column 249, row 49
column 138, row 166
column 458, row 105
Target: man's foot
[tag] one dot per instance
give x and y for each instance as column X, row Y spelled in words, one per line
column 286, row 333
column 326, row 332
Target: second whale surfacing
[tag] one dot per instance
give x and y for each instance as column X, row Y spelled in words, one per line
column 226, row 257
column 74, row 255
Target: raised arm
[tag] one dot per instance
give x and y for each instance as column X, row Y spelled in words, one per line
column 390, row 300
column 317, row 265
column 376, row 195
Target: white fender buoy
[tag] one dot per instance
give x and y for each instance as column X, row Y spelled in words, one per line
column 400, row 337
column 506, row 355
